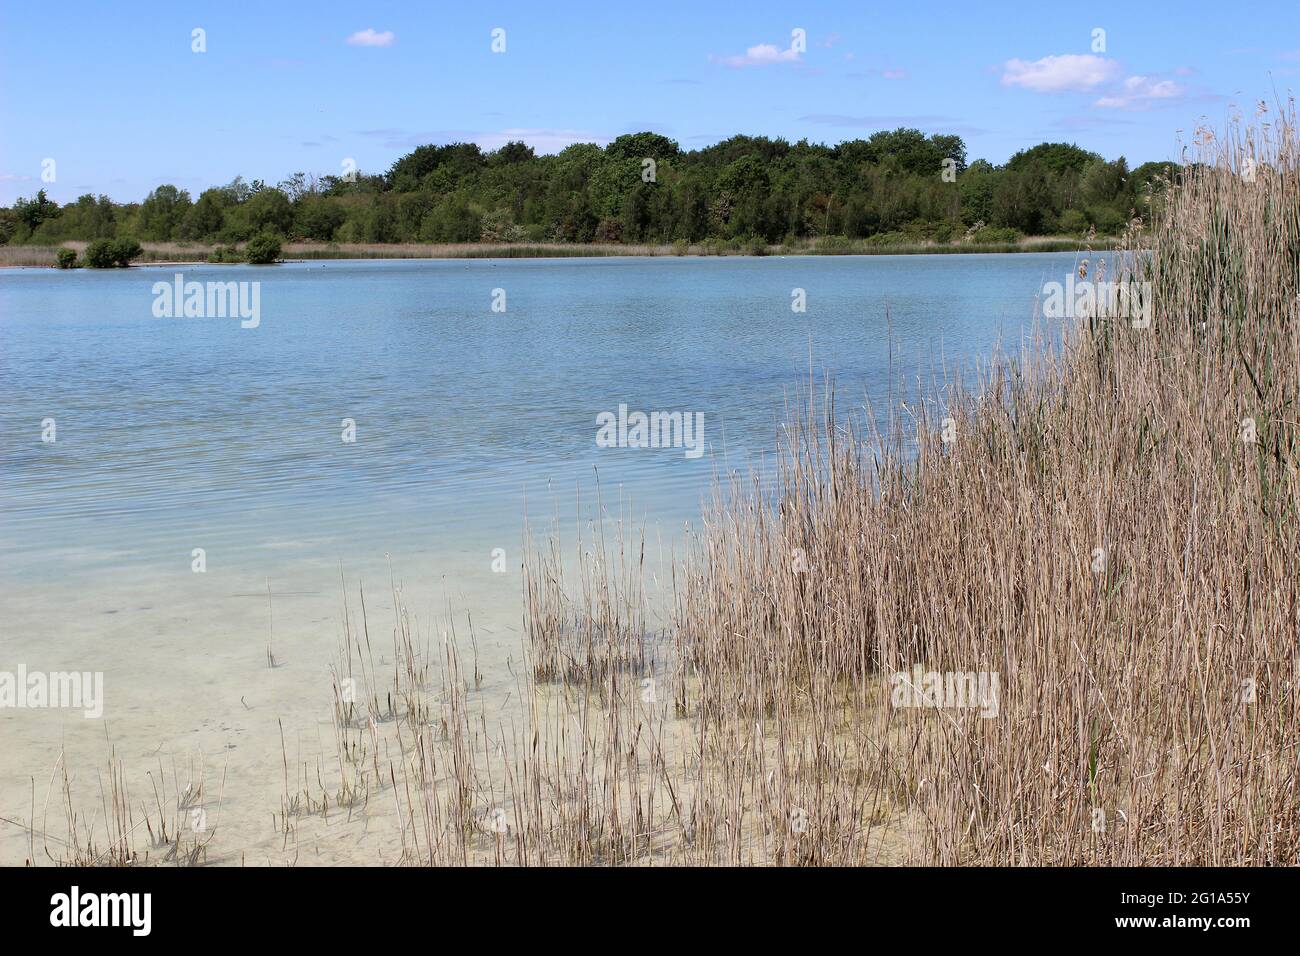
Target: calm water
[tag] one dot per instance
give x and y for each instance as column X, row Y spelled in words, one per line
column 179, row 433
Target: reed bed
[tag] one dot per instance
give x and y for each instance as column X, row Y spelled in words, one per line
column 173, row 827
column 581, row 639
column 1103, row 532
column 28, row 256
column 1111, row 530
column 865, row 247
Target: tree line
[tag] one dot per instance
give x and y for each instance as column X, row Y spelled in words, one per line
column 895, row 186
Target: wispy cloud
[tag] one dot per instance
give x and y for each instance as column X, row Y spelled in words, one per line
column 369, row 37
column 763, row 54
column 1141, row 92
column 1071, row 72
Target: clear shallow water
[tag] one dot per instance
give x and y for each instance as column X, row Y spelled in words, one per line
column 181, row 433
column 176, row 434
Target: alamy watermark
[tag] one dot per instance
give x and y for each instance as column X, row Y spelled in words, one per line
column 56, row 689
column 1088, row 299
column 76, row 908
column 946, row 689
column 208, row 300
column 653, row 430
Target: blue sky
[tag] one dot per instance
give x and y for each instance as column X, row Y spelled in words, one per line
column 114, row 94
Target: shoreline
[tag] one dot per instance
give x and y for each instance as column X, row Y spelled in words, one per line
column 160, row 254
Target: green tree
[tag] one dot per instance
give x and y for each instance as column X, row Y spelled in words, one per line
column 270, row 209
column 207, row 217
column 33, row 212
column 512, row 153
column 162, row 212
column 90, row 217
column 886, row 187
column 1055, row 157
column 641, row 146
column 319, row 217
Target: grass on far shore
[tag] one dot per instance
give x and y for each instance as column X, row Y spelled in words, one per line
column 159, row 252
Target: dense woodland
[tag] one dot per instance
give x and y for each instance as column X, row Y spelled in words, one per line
column 898, row 186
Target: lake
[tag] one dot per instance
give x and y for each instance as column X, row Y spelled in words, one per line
column 385, row 414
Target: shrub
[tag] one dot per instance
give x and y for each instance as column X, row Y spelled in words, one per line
column 835, row 245
column 67, row 258
column 1073, row 223
column 1109, row 222
column 262, row 249
column 997, row 234
column 497, row 227
column 225, row 254
column 609, row 230
column 892, row 238
column 124, row 250
column 100, row 254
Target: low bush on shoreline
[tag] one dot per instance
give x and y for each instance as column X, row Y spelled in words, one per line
column 262, row 249
column 111, row 253
column 227, row 254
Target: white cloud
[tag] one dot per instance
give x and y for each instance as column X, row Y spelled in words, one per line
column 368, row 37
column 764, row 54
column 1056, row 74
column 894, row 74
column 1139, row 92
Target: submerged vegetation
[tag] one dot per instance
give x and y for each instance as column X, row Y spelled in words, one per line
column 898, row 189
